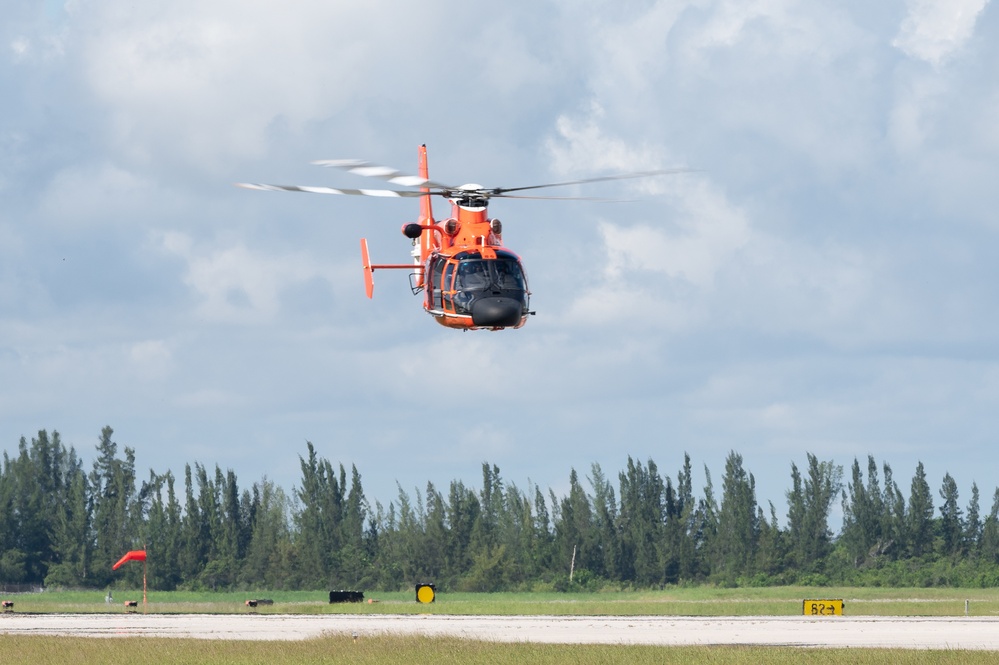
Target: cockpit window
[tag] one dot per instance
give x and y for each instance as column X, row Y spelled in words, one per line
column 473, row 275
column 481, row 274
column 508, row 275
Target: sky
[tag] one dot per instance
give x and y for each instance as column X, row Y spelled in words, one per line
column 823, row 281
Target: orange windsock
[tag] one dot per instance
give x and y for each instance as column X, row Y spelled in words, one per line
column 134, row 555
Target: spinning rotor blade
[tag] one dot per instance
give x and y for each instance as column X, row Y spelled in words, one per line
column 387, row 173
column 369, row 170
column 502, row 191
column 383, row 193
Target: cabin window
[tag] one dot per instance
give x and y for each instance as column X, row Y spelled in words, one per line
column 447, row 287
column 437, row 284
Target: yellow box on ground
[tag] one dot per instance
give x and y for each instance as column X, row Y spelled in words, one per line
column 425, row 593
column 823, row 608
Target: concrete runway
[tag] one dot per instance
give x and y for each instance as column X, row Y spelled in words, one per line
column 979, row 633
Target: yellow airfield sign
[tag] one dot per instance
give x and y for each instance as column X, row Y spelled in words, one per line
column 425, row 593
column 823, row 608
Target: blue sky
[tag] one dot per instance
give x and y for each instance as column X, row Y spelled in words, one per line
column 824, row 283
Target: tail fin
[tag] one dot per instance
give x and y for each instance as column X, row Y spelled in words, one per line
column 369, row 276
column 426, row 210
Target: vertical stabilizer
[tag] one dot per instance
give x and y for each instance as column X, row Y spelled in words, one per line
column 426, row 211
column 369, row 278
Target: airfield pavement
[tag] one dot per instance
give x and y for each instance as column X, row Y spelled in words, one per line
column 979, row 633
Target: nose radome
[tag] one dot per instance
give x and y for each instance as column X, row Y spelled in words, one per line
column 496, row 311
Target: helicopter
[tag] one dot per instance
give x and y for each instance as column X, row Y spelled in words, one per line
column 469, row 279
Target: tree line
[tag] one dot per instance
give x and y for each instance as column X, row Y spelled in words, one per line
column 64, row 525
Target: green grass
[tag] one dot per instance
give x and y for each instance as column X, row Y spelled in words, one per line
column 702, row 601
column 437, row 651
column 697, row 601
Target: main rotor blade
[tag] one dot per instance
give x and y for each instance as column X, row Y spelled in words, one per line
column 383, row 193
column 501, row 191
column 387, row 173
column 552, row 198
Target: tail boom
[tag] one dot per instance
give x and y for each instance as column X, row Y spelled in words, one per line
column 370, row 268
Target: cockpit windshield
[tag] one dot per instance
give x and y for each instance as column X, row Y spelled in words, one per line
column 493, row 292
column 492, row 274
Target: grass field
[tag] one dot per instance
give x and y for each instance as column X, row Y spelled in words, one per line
column 703, row 601
column 700, row 601
column 439, row 651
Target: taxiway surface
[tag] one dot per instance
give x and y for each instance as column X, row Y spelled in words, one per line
column 979, row 633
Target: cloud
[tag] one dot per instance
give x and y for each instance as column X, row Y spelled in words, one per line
column 781, row 298
column 696, row 231
column 206, row 84
column 711, row 231
column 20, row 47
column 236, row 284
column 934, row 30
column 210, row 398
column 81, row 196
column 150, row 358
column 582, row 146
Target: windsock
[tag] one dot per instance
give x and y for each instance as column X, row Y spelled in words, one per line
column 134, row 555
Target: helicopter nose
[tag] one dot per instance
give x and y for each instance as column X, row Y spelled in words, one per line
column 496, row 311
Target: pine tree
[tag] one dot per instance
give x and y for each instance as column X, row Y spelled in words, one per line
column 617, row 556
column 989, row 548
column 808, row 517
column 951, row 524
column 683, row 537
column 71, row 527
column 263, row 566
column 462, row 514
column 894, row 519
column 195, row 534
column 117, row 517
column 543, row 543
column 919, row 516
column 574, row 533
column 738, row 534
column 643, row 517
column 863, row 536
column 973, row 524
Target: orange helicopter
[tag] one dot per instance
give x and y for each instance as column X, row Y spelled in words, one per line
column 470, row 281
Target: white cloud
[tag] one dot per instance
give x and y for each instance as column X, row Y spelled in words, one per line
column 20, row 47
column 697, row 233
column 711, row 232
column 209, row 398
column 827, row 233
column 934, row 30
column 635, row 307
column 208, row 83
column 40, row 49
column 237, row 284
column 102, row 194
column 150, row 359
column 582, row 147
column 910, row 121
column 787, row 27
